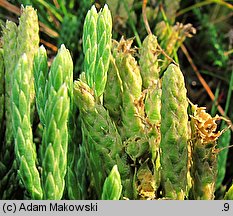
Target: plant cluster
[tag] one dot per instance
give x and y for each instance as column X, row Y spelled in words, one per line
column 124, row 129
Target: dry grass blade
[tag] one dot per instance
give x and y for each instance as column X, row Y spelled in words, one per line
column 12, row 8
column 205, row 85
column 49, row 45
column 144, row 2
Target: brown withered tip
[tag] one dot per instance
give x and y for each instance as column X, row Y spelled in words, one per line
column 124, row 45
column 205, row 125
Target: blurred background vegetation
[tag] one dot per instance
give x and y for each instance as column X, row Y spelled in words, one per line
column 196, row 34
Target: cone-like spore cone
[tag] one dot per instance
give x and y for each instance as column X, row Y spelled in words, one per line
column 174, row 134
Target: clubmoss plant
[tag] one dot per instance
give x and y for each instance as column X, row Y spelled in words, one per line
column 55, row 135
column 25, row 149
column 174, row 134
column 101, row 140
column 122, row 130
column 131, row 108
column 17, row 40
column 204, row 153
column 112, row 186
column 10, row 33
column 97, row 34
column 2, row 87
